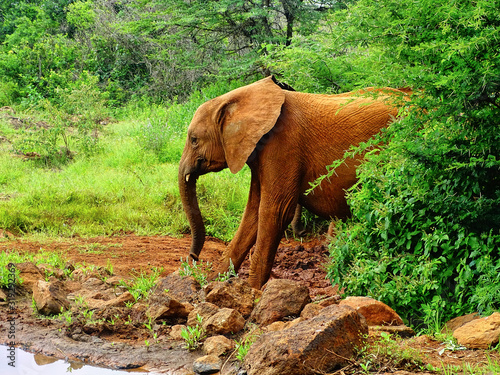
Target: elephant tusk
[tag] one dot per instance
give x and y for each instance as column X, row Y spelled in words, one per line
column 187, row 177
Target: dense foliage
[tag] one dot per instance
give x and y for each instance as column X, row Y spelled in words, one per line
column 426, row 213
column 425, row 226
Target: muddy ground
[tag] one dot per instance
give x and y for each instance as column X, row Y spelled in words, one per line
column 125, row 347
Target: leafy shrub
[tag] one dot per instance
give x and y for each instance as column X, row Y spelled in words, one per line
column 424, row 233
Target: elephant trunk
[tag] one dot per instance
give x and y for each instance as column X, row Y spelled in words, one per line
column 187, row 189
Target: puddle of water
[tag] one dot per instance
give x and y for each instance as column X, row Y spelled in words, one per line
column 39, row 364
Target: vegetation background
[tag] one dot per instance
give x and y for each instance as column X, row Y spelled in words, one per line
column 97, row 95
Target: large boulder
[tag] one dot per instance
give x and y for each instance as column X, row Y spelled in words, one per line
column 281, row 298
column 234, row 293
column 316, row 345
column 479, row 333
column 50, row 298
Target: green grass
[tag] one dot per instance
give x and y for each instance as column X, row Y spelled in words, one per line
column 53, row 259
column 129, row 186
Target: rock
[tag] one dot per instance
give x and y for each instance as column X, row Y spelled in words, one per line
column 29, row 274
column 165, row 307
column 375, row 312
column 479, row 333
column 50, row 298
column 205, row 310
column 218, row 345
column 275, row 326
column 280, row 299
column 234, row 293
column 311, row 310
column 120, row 301
column 224, row 321
column 455, row 323
column 183, row 289
column 138, row 312
column 209, row 364
column 176, row 330
column 317, row 345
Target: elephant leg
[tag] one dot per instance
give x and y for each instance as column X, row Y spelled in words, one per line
column 246, row 234
column 273, row 220
column 297, row 225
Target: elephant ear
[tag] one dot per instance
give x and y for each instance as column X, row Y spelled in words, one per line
column 245, row 115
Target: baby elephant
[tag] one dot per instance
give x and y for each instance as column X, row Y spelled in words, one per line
column 287, row 138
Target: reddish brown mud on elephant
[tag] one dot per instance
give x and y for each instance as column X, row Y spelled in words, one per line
column 287, row 139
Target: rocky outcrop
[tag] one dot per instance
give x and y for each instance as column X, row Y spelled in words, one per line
column 281, row 298
column 313, row 346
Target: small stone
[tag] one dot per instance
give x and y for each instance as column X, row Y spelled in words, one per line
column 209, row 364
column 176, row 331
column 183, row 289
column 50, row 298
column 120, row 301
column 311, row 310
column 218, row 345
column 224, row 321
column 234, row 293
column 29, row 274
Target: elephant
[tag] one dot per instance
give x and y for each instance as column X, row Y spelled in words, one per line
column 287, row 139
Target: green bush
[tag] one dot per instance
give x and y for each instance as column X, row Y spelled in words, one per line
column 424, row 233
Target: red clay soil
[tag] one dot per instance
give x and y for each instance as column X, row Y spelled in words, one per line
column 129, row 254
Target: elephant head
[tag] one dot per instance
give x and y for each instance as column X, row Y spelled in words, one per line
column 223, row 133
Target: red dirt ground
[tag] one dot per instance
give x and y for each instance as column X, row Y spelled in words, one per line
column 129, row 254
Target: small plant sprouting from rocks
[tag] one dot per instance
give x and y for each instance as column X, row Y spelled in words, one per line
column 243, row 346
column 384, row 354
column 193, row 335
column 197, row 270
column 200, row 271
column 228, row 274
column 142, row 284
